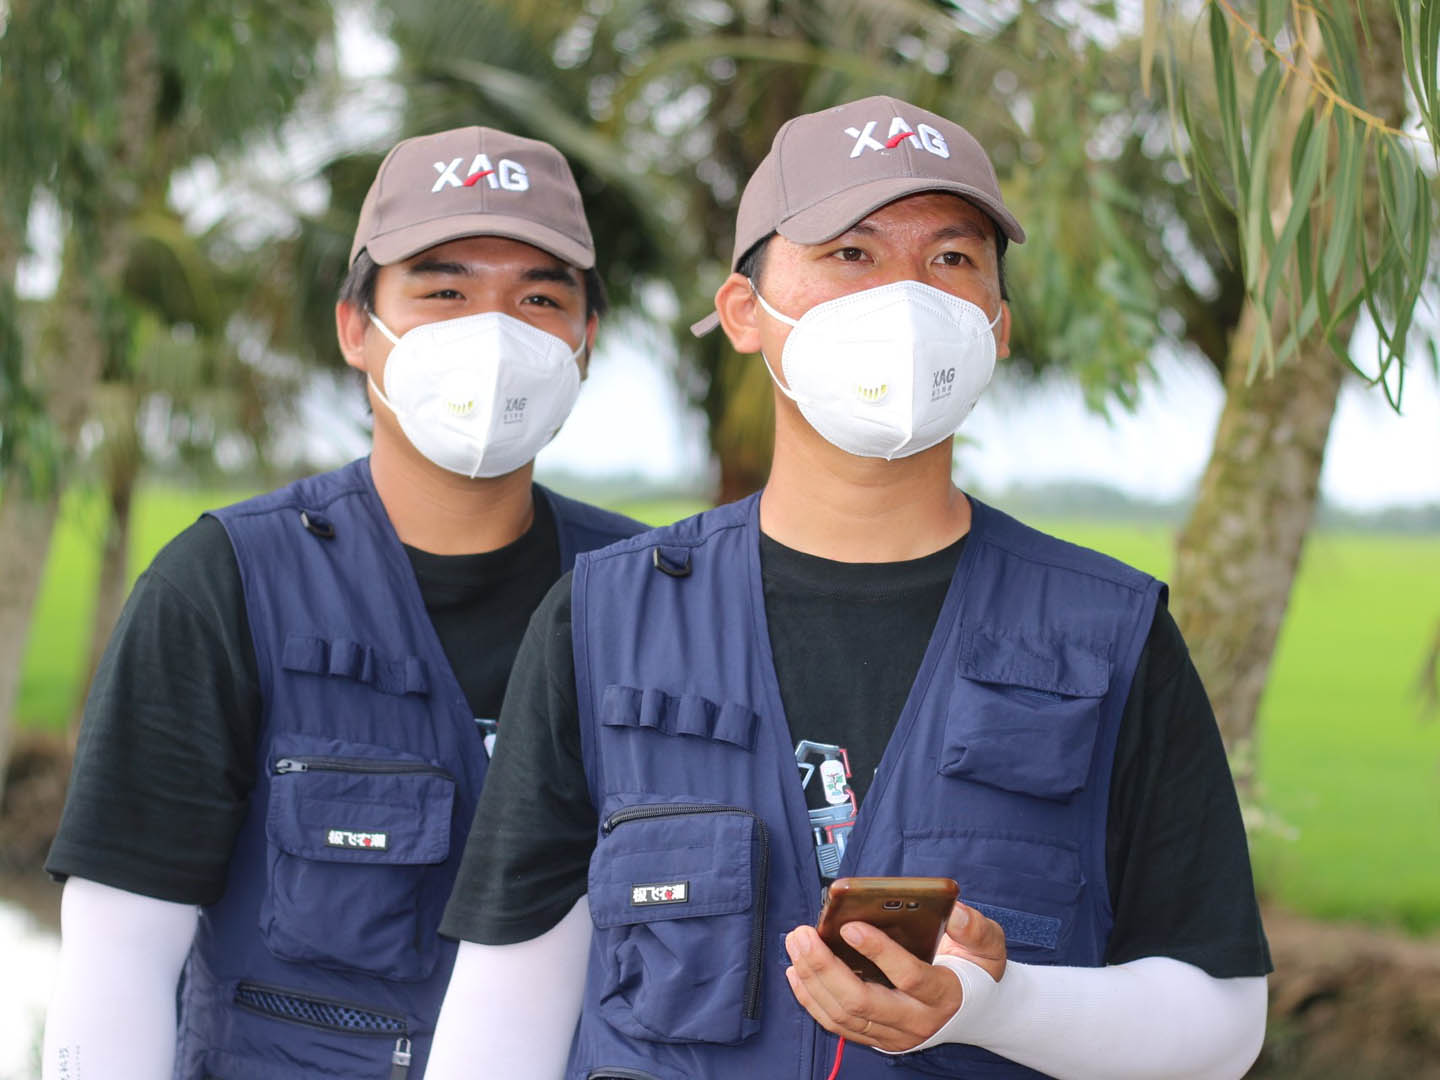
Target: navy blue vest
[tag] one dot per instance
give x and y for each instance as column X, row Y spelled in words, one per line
column 997, row 775
column 321, row 958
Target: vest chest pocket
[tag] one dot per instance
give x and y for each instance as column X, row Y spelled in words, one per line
column 677, row 895
column 1030, row 885
column 1024, row 715
column 356, row 833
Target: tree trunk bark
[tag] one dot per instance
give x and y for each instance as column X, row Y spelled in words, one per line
column 122, row 469
column 72, row 349
column 25, row 529
column 742, row 428
column 1237, row 556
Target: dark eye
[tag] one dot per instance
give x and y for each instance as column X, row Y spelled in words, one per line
column 541, row 299
column 850, row 254
column 444, row 294
column 955, row 258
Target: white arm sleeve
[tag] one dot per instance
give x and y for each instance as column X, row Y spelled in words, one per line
column 113, row 1012
column 510, row 1010
column 1154, row 1017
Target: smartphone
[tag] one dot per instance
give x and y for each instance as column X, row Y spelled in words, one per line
column 912, row 910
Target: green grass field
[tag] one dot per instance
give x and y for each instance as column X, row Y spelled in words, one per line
column 1347, row 763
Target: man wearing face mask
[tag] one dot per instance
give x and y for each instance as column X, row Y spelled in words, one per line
column 859, row 671
column 292, row 722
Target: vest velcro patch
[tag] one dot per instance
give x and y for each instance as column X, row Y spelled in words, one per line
column 669, row 892
column 360, row 841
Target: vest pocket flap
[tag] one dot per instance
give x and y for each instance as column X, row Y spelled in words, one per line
column 672, row 867
column 677, row 894
column 345, row 659
column 685, row 714
column 370, row 811
column 1050, row 666
column 1024, row 715
column 1030, row 885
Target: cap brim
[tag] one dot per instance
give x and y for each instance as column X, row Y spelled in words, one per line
column 830, row 217
column 705, row 325
column 391, row 247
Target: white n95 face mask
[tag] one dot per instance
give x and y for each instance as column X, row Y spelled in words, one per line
column 482, row 394
column 887, row 372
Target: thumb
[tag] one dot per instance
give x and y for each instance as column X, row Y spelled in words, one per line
column 978, row 938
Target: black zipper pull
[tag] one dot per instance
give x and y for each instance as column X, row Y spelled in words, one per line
column 400, row 1059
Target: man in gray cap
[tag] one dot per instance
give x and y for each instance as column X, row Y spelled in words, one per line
column 286, row 739
column 861, row 671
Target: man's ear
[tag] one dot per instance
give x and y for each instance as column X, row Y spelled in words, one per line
column 592, row 324
column 351, row 324
column 739, row 313
column 1002, row 332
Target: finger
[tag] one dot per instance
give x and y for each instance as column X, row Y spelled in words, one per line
column 830, row 982
column 866, row 1032
column 976, row 938
column 906, row 973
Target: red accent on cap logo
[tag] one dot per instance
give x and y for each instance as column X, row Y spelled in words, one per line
column 470, row 181
column 896, row 140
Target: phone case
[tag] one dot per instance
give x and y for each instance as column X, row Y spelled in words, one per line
column 912, row 910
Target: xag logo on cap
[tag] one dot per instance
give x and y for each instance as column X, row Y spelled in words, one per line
column 670, row 892
column 509, row 175
column 921, row 137
column 362, row 841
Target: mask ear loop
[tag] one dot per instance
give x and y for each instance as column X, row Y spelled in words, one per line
column 368, row 377
column 789, row 322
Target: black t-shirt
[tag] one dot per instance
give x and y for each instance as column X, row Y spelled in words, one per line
column 848, row 640
column 167, row 752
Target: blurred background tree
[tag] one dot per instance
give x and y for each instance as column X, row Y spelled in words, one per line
column 101, row 104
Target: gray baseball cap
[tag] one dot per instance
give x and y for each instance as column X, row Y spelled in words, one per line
column 473, row 181
column 827, row 170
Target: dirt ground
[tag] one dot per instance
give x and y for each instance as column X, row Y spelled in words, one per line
column 1346, row 1002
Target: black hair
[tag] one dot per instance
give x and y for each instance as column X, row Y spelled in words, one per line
column 358, row 288
column 752, row 263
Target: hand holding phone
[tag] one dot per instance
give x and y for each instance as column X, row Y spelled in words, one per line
column 910, row 910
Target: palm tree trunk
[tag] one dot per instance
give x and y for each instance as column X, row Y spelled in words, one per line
column 122, row 469
column 25, row 528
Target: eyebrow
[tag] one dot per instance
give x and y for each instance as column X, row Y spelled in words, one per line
column 562, row 274
column 966, row 230
column 439, row 268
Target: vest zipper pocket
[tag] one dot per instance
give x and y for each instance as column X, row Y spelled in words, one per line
column 357, row 765
column 329, row 1014
column 757, row 934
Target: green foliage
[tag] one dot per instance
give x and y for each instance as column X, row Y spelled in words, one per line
column 1336, row 211
column 100, row 104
